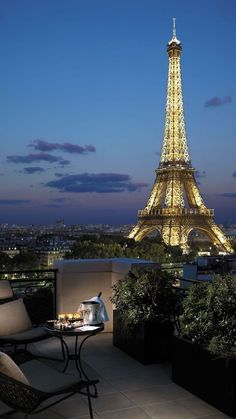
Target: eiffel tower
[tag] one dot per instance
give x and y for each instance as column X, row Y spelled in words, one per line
column 175, row 206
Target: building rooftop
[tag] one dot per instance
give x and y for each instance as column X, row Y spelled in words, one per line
column 127, row 389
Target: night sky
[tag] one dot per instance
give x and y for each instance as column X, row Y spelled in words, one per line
column 83, row 92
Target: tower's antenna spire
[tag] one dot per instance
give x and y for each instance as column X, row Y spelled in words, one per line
column 174, row 39
column 174, row 27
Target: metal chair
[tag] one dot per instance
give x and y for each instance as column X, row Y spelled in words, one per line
column 28, row 399
column 16, row 328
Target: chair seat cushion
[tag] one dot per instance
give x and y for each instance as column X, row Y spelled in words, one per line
column 45, row 378
column 33, row 334
column 14, row 318
column 8, row 367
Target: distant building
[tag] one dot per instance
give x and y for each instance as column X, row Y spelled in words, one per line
column 10, row 251
column 206, row 266
column 47, row 256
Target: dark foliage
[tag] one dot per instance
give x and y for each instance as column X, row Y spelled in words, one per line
column 209, row 315
column 90, row 247
column 145, row 295
column 40, row 305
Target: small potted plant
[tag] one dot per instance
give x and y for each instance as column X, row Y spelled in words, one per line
column 145, row 303
column 204, row 355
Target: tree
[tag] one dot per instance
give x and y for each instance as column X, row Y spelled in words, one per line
column 149, row 250
column 87, row 249
column 233, row 243
column 25, row 261
column 5, row 261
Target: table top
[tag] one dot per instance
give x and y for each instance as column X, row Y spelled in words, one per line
column 78, row 331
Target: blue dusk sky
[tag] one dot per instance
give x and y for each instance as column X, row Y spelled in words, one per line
column 83, row 92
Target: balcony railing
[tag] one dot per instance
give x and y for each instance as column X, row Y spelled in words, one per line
column 38, row 290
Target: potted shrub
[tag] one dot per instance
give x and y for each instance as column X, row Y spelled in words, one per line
column 143, row 320
column 204, row 355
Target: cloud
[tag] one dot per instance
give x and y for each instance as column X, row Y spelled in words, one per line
column 200, row 174
column 53, row 206
column 58, row 174
column 64, row 162
column 60, row 200
column 14, row 201
column 30, row 158
column 66, row 147
column 99, row 183
column 217, row 101
column 32, row 170
column 228, row 195
column 234, row 174
column 57, row 202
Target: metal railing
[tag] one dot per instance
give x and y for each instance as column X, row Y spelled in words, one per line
column 38, row 290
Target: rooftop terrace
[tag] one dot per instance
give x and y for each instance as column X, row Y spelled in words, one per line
column 127, row 389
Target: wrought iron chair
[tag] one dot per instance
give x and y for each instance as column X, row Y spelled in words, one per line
column 16, row 328
column 45, row 383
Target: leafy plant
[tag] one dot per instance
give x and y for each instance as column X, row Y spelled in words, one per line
column 145, row 294
column 209, row 315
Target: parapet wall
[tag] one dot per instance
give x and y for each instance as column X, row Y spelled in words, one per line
column 81, row 279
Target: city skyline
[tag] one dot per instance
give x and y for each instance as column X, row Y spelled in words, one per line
column 83, row 105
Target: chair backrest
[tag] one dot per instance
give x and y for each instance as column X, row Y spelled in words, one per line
column 6, row 292
column 14, row 318
column 19, row 396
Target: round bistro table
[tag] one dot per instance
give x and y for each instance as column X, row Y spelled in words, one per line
column 81, row 334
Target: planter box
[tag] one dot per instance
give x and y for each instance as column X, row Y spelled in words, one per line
column 148, row 343
column 211, row 379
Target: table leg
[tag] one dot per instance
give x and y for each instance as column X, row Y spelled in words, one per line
column 77, row 361
column 79, row 364
column 77, row 357
column 65, row 350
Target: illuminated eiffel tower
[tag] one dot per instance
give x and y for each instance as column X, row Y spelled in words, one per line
column 175, row 206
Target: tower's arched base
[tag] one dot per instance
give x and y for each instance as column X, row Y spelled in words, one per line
column 175, row 230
